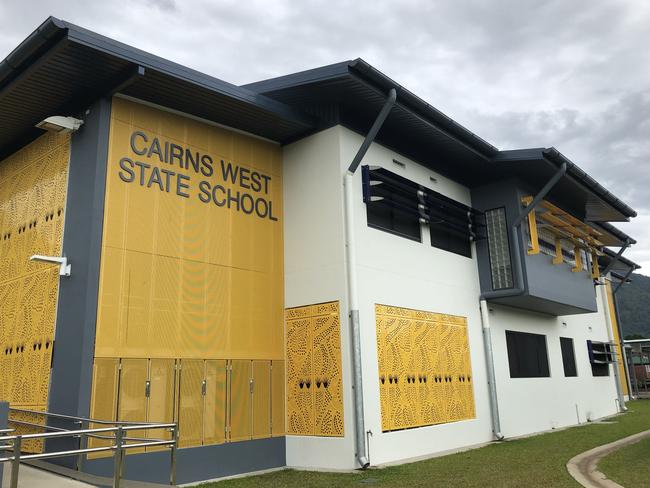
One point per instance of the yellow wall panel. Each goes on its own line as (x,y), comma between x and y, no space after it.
(132,400)
(261,399)
(184,275)
(617,339)
(103,399)
(240,400)
(300,401)
(190,407)
(33,186)
(214,418)
(327,377)
(162,379)
(424,368)
(277,398)
(314,375)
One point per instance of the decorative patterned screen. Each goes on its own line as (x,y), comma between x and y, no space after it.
(425,374)
(314,377)
(33,186)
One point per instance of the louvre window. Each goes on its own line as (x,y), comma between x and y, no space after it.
(393,214)
(568,356)
(401,206)
(449,239)
(527,355)
(601,355)
(499,249)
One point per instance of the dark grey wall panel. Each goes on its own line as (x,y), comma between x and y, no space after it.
(4,417)
(550,289)
(74,340)
(199,463)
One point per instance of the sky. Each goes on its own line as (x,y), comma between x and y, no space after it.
(519,73)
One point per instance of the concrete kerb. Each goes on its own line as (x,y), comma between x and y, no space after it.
(584,466)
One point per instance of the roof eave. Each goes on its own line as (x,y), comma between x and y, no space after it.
(557,158)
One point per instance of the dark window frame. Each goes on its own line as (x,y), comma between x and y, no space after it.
(399,206)
(601,355)
(527,355)
(567,349)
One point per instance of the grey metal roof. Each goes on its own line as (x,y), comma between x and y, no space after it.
(576,192)
(60,69)
(352,92)
(612,236)
(623,264)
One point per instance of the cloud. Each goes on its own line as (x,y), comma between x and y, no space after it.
(532,73)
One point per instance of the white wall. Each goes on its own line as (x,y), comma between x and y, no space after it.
(314,256)
(530,405)
(397,271)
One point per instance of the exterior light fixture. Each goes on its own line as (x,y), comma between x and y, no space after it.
(60,124)
(64,266)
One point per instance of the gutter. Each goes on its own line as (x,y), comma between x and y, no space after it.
(353,295)
(30,48)
(416,105)
(557,158)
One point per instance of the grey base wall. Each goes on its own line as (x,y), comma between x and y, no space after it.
(74,342)
(198,463)
(4,417)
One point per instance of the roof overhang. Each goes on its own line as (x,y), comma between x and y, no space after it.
(352,93)
(622,266)
(61,69)
(576,192)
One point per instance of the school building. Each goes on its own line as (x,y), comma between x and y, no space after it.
(319,270)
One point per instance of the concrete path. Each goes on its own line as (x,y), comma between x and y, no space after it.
(29,477)
(584,467)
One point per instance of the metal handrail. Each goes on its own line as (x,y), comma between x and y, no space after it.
(121,443)
(80,419)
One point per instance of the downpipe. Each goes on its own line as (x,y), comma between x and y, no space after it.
(360,429)
(353,296)
(608,322)
(489,360)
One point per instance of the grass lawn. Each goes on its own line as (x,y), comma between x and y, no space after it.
(628,466)
(534,461)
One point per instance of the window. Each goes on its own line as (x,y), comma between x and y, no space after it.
(449,239)
(392,215)
(527,355)
(499,249)
(568,356)
(401,206)
(601,354)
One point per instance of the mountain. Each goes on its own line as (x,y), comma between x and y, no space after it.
(634,307)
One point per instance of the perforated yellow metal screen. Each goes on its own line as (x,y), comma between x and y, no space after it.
(132,405)
(425,374)
(240,400)
(314,377)
(190,410)
(160,408)
(33,186)
(277,398)
(214,419)
(103,399)
(185,271)
(261,399)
